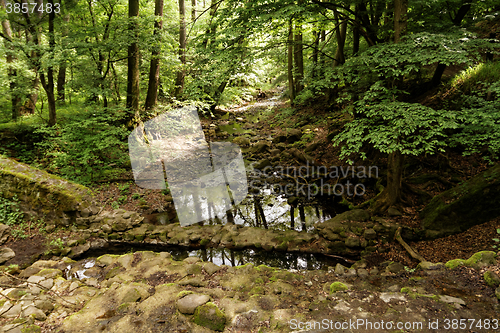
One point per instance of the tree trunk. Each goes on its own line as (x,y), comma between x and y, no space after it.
(193,10)
(12,73)
(49,86)
(438,73)
(154,68)
(299,60)
(400,19)
(314,73)
(355,33)
(133,63)
(291,86)
(341,35)
(61,75)
(179,81)
(391,195)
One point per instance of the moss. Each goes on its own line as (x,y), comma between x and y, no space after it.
(259,281)
(491,279)
(31,329)
(282,247)
(257,290)
(416,278)
(123,307)
(452,264)
(113,272)
(406,290)
(209,316)
(184,293)
(337,286)
(481,258)
(204,242)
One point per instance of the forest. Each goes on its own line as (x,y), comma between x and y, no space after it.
(354,144)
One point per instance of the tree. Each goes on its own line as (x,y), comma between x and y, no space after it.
(154,68)
(179,81)
(133,62)
(12,73)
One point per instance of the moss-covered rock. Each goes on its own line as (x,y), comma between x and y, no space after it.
(492,279)
(210,316)
(337,286)
(471,203)
(454,263)
(482,259)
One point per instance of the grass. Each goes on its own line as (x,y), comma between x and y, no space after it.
(481,74)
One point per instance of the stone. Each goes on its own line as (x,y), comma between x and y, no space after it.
(189,303)
(482,259)
(32,311)
(392,211)
(340,269)
(211,268)
(10,311)
(429,266)
(312,147)
(492,279)
(395,267)
(279,138)
(451,299)
(461,207)
(45,305)
(293,135)
(6,254)
(260,147)
(262,164)
(352,241)
(370,234)
(337,286)
(210,316)
(4,233)
(241,141)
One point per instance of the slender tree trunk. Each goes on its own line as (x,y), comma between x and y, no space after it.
(400,19)
(438,73)
(179,81)
(316,35)
(299,59)
(341,36)
(133,63)
(49,86)
(355,33)
(193,10)
(61,75)
(291,85)
(12,73)
(154,68)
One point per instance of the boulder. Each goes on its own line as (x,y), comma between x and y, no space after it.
(189,303)
(6,254)
(457,209)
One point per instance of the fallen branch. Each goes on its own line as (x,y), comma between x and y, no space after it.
(414,254)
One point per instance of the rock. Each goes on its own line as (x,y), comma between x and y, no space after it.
(370,234)
(454,263)
(34,312)
(4,233)
(189,303)
(279,138)
(195,282)
(352,241)
(395,268)
(392,211)
(450,299)
(497,293)
(340,269)
(459,208)
(293,135)
(211,268)
(312,147)
(337,286)
(492,279)
(241,141)
(10,311)
(482,259)
(388,296)
(262,164)
(210,316)
(260,147)
(45,305)
(6,254)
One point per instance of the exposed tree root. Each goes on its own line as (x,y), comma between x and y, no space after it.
(413,253)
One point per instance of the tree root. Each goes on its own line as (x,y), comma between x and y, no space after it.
(413,253)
